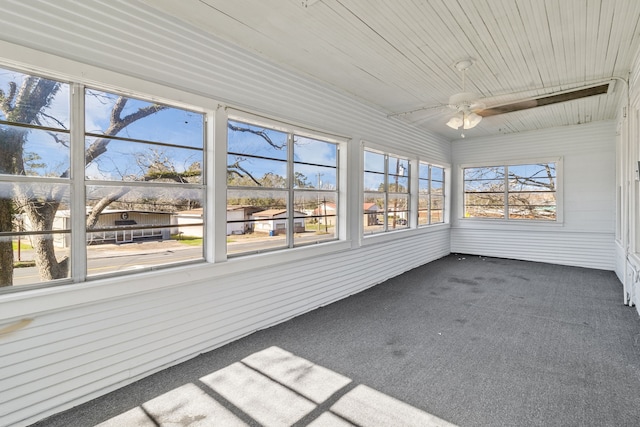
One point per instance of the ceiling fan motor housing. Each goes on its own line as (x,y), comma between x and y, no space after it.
(463,101)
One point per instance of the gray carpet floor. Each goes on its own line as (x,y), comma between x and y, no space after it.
(471,340)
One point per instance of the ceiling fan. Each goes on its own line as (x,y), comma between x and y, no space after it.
(469,109)
(465,104)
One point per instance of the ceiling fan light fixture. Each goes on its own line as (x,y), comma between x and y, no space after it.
(456,121)
(471,120)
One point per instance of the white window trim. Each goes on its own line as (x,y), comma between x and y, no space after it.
(446,191)
(34,300)
(25,303)
(511,223)
(63,294)
(411,193)
(282,125)
(341,142)
(413,229)
(77,183)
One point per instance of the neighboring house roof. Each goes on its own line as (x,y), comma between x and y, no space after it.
(241,207)
(371,207)
(271,213)
(248,209)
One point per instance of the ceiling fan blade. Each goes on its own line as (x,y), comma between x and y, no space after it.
(477,106)
(544,100)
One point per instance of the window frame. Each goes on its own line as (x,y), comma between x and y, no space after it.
(410,193)
(104,183)
(558,221)
(31,181)
(292,130)
(49,296)
(429,196)
(77,182)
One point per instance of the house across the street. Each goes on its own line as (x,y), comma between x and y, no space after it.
(115,226)
(274,221)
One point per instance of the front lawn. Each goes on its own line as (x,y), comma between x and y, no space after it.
(23,245)
(188,240)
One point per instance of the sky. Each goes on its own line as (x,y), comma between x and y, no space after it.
(171,126)
(315,159)
(374,165)
(123,159)
(39,142)
(183,130)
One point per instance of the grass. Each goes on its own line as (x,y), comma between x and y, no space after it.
(188,240)
(24,264)
(22,245)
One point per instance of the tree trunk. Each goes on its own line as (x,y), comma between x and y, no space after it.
(26,105)
(41,214)
(6,244)
(11,141)
(45,257)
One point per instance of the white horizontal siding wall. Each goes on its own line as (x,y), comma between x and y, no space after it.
(586,235)
(80,341)
(66,357)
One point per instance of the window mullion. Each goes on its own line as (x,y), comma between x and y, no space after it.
(78,203)
(215,179)
(430,198)
(386,193)
(506,192)
(290,185)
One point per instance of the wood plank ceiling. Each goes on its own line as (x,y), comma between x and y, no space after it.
(400,55)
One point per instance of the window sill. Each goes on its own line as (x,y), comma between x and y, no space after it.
(388,236)
(29,304)
(482,223)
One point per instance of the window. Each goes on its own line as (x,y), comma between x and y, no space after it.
(515,192)
(144,182)
(430,194)
(139,179)
(282,188)
(386,192)
(35,185)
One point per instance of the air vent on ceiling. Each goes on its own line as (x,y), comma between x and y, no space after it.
(564,96)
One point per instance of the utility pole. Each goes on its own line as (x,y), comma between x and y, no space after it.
(319,174)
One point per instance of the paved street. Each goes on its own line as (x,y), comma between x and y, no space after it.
(110,258)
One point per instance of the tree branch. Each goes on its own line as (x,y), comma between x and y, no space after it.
(96,210)
(58,140)
(236,166)
(260,133)
(51,118)
(99,146)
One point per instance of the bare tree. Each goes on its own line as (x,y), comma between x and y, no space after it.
(22,105)
(26,106)
(529,190)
